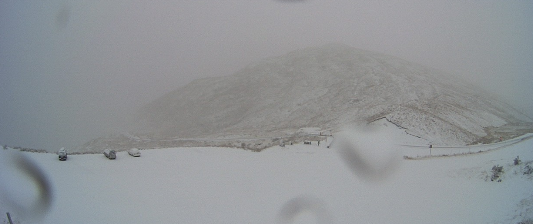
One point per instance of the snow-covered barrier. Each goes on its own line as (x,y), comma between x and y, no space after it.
(420,152)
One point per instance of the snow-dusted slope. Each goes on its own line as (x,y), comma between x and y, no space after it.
(328,87)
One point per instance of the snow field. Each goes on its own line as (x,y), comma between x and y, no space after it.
(294,184)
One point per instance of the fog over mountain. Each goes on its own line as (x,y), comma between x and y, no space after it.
(329,87)
(71,71)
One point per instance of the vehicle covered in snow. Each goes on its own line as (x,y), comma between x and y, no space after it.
(110,154)
(62,153)
(134,152)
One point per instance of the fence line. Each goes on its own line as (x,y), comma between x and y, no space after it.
(419,152)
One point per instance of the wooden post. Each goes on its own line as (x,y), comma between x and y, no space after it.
(9,218)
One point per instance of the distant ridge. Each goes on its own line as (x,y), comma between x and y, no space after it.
(330,87)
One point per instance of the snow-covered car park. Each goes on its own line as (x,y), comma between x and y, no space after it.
(292,184)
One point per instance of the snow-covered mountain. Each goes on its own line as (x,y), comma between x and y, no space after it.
(328,87)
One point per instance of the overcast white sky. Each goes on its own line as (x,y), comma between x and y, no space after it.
(73,70)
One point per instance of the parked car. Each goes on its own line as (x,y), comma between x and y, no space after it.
(110,154)
(62,154)
(134,152)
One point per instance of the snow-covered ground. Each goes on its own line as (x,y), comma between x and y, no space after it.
(295,184)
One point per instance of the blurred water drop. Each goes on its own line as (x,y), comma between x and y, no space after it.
(62,17)
(298,206)
(368,152)
(19,168)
